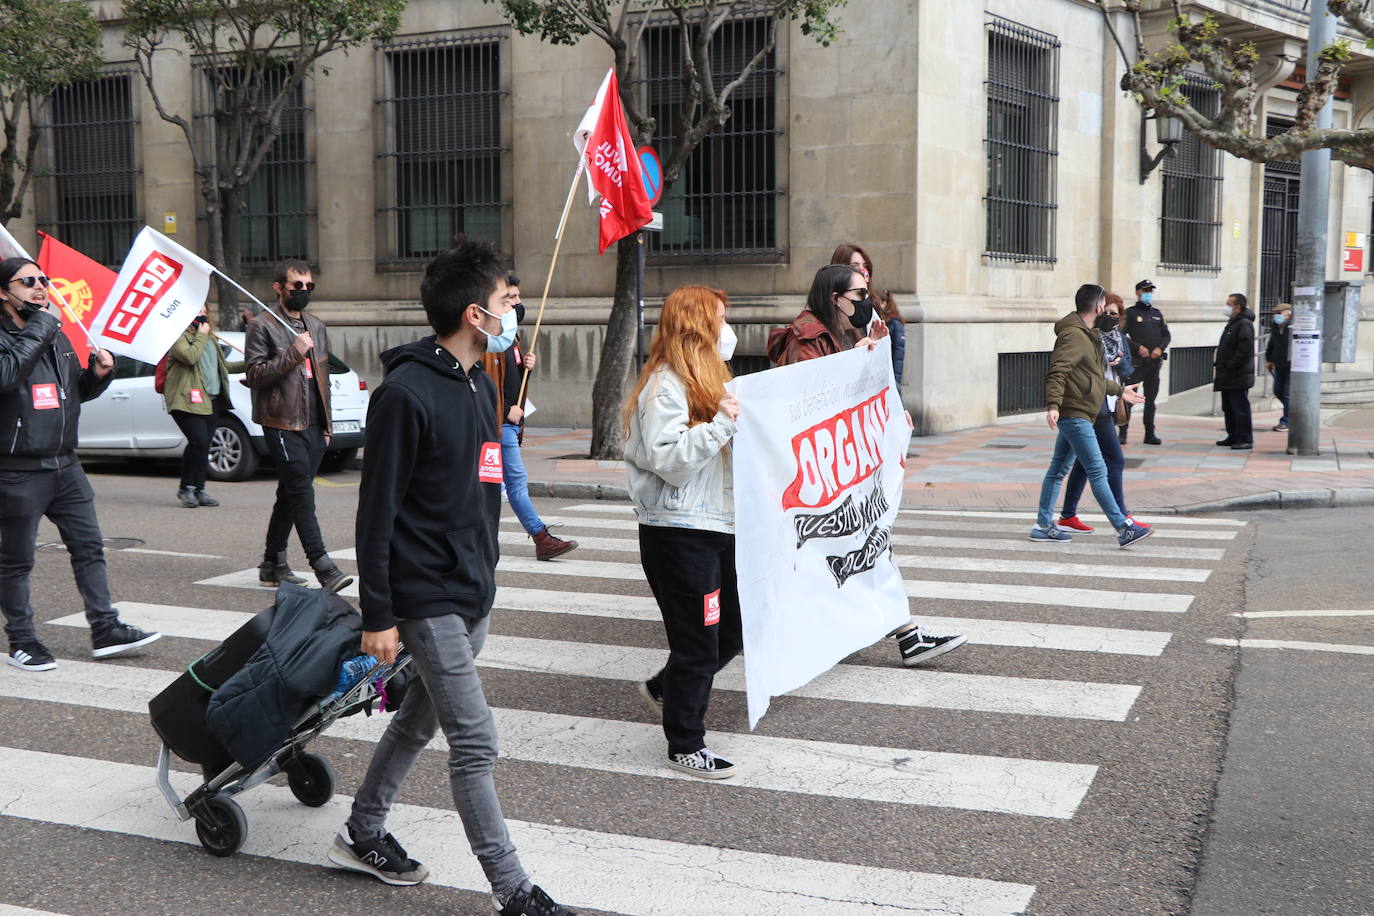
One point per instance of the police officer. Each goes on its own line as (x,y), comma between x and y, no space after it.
(41,389)
(1148,334)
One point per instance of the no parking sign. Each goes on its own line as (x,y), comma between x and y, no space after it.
(652,170)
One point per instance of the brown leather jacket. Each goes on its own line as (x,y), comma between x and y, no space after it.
(276,372)
(805,338)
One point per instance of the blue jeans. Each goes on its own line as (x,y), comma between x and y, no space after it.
(447,695)
(517,481)
(1282,377)
(1110,446)
(1077,441)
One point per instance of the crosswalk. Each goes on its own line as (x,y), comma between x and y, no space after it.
(1090,625)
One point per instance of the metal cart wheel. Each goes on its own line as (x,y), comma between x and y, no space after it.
(220,825)
(310,778)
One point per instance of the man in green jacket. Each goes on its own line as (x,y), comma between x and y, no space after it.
(1075,389)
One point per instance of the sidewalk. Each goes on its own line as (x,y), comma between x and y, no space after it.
(1001,466)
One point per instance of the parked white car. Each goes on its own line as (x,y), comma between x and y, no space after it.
(130,421)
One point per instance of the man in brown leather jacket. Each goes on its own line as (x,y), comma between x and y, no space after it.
(288,371)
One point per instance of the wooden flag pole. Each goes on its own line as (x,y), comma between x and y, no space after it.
(62,303)
(548,281)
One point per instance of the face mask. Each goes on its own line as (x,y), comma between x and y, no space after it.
(500,343)
(726,343)
(863,313)
(1279,319)
(1228,310)
(519,313)
(298,299)
(27,311)
(1105,322)
(1147,298)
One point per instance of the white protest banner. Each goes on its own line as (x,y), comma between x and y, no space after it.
(818,464)
(159,290)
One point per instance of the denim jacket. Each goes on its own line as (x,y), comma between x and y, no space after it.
(679,475)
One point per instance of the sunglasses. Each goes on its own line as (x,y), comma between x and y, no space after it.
(300,284)
(31,282)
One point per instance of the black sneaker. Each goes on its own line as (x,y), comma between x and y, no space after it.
(382,858)
(120,638)
(31,656)
(332,579)
(532,902)
(652,701)
(1152,439)
(703,764)
(918,646)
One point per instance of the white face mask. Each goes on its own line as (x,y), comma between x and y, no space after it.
(1228,310)
(727,341)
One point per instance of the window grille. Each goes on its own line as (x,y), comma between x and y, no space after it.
(1190,220)
(278,215)
(89,195)
(1021,382)
(440,145)
(1190,367)
(725,201)
(1022,142)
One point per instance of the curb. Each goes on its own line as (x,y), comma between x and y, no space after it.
(569,490)
(1281,499)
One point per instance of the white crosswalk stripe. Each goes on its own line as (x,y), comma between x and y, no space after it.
(1089,580)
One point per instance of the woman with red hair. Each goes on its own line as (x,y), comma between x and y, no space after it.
(679,421)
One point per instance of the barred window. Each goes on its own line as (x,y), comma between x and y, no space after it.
(439,145)
(89,197)
(724,203)
(278,215)
(1022,142)
(1190,219)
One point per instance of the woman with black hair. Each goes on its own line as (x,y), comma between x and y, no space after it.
(837,308)
(41,389)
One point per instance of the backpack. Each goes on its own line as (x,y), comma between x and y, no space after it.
(160,375)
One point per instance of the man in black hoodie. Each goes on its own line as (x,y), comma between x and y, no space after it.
(1235,373)
(427,521)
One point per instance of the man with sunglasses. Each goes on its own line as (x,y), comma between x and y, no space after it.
(42,386)
(288,371)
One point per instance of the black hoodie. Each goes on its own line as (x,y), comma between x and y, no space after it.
(427,513)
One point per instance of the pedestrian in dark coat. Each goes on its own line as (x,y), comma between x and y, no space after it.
(1276,358)
(1235,372)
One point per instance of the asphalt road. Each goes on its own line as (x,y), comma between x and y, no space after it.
(1063,762)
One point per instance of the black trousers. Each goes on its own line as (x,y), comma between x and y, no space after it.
(1147,373)
(66,498)
(297,457)
(1235,407)
(197,428)
(692,574)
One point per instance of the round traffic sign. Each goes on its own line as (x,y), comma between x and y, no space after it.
(652,170)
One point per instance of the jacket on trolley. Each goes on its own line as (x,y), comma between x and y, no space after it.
(42,385)
(257,708)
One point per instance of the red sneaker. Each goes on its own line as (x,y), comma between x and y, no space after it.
(1075,523)
(1134,521)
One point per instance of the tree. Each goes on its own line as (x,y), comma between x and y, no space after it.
(255,54)
(705,108)
(1156,77)
(44,44)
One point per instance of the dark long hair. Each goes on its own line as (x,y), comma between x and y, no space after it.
(830,280)
(886,305)
(11,266)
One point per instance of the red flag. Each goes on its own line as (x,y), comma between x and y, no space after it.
(81,282)
(603,140)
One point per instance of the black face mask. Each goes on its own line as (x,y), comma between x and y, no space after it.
(298,299)
(519,313)
(27,311)
(863,313)
(1105,322)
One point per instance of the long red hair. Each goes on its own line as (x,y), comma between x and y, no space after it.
(687,341)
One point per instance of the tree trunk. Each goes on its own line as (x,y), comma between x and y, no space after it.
(617,356)
(231,208)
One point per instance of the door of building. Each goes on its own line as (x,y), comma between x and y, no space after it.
(1279,235)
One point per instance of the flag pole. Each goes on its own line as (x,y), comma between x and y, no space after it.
(235,285)
(62,303)
(557,243)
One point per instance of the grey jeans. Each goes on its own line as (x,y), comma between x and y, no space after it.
(448,695)
(66,498)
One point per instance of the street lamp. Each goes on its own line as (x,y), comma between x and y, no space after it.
(1169,133)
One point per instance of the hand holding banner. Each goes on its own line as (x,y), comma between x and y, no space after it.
(10,248)
(819,457)
(159,290)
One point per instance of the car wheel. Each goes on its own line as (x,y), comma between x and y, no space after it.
(232,456)
(338,460)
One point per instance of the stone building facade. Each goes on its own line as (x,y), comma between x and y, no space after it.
(981,152)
